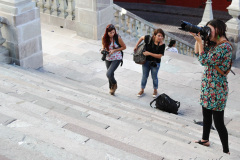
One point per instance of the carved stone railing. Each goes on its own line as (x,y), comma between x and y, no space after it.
(4,52)
(131,26)
(60,8)
(57,12)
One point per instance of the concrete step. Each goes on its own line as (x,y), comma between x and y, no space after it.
(121,134)
(16,145)
(48,125)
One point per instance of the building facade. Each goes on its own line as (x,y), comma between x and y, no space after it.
(216,4)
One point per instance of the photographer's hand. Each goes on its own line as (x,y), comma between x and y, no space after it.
(199,47)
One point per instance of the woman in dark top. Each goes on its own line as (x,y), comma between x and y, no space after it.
(154,51)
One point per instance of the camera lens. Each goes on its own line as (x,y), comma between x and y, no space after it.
(204,31)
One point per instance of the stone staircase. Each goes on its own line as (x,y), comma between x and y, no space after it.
(63,111)
(50,117)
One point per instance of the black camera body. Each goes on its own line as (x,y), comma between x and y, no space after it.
(153,64)
(204,31)
(104,54)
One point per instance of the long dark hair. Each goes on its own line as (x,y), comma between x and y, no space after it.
(106,38)
(220,28)
(171,43)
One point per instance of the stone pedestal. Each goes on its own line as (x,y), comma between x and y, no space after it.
(208,14)
(23,33)
(233,27)
(92,17)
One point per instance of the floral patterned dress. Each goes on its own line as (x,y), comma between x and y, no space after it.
(214,87)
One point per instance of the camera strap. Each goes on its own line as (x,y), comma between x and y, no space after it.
(218,69)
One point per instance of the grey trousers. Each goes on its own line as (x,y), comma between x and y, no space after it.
(111,67)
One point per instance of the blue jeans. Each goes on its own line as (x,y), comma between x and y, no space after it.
(146,68)
(111,67)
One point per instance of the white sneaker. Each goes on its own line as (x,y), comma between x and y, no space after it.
(140,93)
(154,94)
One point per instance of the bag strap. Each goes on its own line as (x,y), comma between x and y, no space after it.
(116,40)
(217,68)
(152,102)
(224,73)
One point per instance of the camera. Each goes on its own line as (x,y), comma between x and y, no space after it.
(204,31)
(153,64)
(104,54)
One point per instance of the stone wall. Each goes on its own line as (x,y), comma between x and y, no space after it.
(23,33)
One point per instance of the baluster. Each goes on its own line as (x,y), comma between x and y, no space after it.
(41,5)
(47,6)
(127,21)
(120,22)
(135,33)
(144,29)
(123,26)
(192,52)
(181,48)
(116,20)
(36,1)
(184,49)
(168,40)
(130,26)
(139,24)
(73,9)
(62,8)
(55,5)
(151,31)
(69,10)
(178,47)
(147,30)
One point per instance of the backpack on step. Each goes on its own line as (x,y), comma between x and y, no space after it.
(167,104)
(138,56)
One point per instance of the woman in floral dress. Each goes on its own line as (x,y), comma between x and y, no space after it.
(216,51)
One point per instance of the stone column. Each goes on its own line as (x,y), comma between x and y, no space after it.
(233,26)
(4,53)
(92,17)
(208,14)
(23,33)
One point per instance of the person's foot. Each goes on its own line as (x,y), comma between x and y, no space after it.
(140,93)
(203,142)
(155,93)
(113,89)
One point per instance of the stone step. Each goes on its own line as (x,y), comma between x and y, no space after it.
(16,145)
(121,133)
(28,96)
(44,128)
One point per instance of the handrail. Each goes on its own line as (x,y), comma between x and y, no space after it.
(128,24)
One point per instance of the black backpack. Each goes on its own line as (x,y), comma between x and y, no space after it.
(167,104)
(116,40)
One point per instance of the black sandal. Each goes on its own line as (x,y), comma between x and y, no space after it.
(202,143)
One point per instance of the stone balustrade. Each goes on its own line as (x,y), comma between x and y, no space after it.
(130,25)
(59,8)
